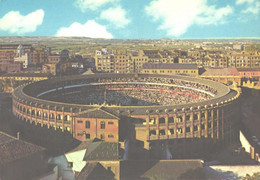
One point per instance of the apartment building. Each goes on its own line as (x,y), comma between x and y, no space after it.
(104,60)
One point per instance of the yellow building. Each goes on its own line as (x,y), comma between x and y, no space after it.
(104,61)
(123,63)
(138,60)
(49,69)
(181,69)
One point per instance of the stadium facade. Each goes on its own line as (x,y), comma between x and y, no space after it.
(203,112)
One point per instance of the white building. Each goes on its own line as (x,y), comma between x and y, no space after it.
(22,57)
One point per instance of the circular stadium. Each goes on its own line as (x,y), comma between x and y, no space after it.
(114,107)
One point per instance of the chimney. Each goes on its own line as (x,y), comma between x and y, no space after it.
(18,135)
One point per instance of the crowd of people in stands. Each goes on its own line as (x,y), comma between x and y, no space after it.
(118,92)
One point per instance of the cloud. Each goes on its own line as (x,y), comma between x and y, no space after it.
(253,9)
(253,6)
(89,29)
(15,23)
(244,1)
(116,16)
(177,16)
(92,4)
(213,16)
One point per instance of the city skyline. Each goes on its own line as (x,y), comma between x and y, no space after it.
(121,19)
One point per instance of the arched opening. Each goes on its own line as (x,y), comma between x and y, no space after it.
(152,132)
(51,116)
(39,113)
(195,117)
(202,116)
(162,132)
(195,128)
(33,112)
(67,118)
(151,121)
(162,120)
(179,119)
(58,117)
(170,120)
(179,130)
(28,111)
(171,131)
(24,110)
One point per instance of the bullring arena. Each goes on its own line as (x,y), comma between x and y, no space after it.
(152,111)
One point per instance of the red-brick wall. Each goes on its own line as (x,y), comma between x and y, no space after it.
(109,133)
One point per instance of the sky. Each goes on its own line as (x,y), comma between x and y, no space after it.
(131,19)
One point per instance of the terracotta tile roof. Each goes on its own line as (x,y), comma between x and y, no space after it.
(98,113)
(169,66)
(221,72)
(12,149)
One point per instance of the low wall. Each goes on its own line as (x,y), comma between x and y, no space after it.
(249,148)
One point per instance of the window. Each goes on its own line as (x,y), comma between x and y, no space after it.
(195,128)
(70,164)
(170,120)
(110,136)
(102,136)
(79,134)
(80,121)
(179,130)
(110,122)
(87,136)
(102,125)
(87,124)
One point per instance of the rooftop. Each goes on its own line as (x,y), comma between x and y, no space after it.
(13,149)
(102,151)
(98,113)
(220,72)
(176,169)
(94,171)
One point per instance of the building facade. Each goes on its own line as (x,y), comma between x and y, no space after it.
(173,69)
